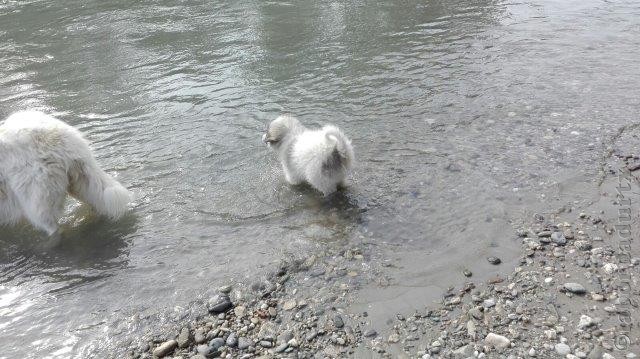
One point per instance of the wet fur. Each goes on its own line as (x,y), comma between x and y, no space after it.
(321,157)
(41,160)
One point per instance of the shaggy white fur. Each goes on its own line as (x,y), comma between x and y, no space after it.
(41,160)
(322,157)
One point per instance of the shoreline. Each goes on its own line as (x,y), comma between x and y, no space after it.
(566,298)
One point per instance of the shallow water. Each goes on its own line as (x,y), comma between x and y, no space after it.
(465,115)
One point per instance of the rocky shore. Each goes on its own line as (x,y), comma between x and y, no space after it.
(574,294)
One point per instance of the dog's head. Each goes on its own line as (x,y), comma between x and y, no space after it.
(278,129)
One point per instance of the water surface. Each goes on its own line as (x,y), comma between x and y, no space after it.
(465,116)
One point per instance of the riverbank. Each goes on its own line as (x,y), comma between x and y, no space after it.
(573,294)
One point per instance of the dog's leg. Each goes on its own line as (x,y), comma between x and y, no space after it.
(41,200)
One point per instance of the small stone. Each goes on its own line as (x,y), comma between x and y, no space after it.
(562,349)
(393,338)
(575,288)
(585,322)
(338,322)
(280,348)
(216,343)
(558,238)
(199,336)
(244,343)
(266,344)
(165,348)
(311,335)
(583,245)
(225,289)
(467,273)
(494,260)
(293,343)
(532,352)
(232,340)
(183,338)
(370,333)
(489,303)
(610,268)
(239,310)
(497,341)
(219,304)
(289,304)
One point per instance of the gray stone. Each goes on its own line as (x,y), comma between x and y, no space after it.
(199,336)
(558,238)
(338,322)
(494,260)
(232,340)
(497,341)
(244,343)
(216,343)
(183,338)
(370,333)
(165,348)
(575,288)
(562,349)
(219,304)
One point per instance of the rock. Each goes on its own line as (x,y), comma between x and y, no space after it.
(489,303)
(558,238)
(562,349)
(183,338)
(267,331)
(585,322)
(244,343)
(610,268)
(199,336)
(216,343)
(311,335)
(165,348)
(289,304)
(497,341)
(225,289)
(583,245)
(494,260)
(206,351)
(370,333)
(285,336)
(532,352)
(575,288)
(239,310)
(476,313)
(338,322)
(393,338)
(608,356)
(467,273)
(266,344)
(280,348)
(232,340)
(219,304)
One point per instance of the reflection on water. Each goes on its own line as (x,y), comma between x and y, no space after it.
(462,113)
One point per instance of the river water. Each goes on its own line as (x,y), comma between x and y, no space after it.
(465,115)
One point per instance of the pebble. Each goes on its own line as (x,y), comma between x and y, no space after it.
(562,349)
(165,348)
(497,341)
(289,304)
(489,303)
(232,340)
(244,343)
(467,273)
(370,333)
(585,322)
(338,322)
(393,338)
(199,336)
(575,288)
(558,238)
(532,352)
(494,260)
(219,304)
(183,338)
(216,343)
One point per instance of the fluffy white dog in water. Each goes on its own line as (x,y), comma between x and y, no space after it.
(322,157)
(41,160)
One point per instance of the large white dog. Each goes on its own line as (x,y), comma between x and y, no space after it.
(41,160)
(322,157)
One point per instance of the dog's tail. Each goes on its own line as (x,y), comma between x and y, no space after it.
(342,151)
(90,184)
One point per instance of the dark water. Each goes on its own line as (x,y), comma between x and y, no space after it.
(464,115)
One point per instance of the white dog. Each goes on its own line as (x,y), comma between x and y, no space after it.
(41,160)
(322,157)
